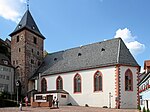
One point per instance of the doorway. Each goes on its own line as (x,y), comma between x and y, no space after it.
(49,99)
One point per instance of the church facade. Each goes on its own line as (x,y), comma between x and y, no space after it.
(99,74)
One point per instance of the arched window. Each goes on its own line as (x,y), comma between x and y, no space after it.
(77,83)
(98,81)
(59,83)
(128,80)
(43,85)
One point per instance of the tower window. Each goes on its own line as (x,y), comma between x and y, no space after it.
(19,49)
(39,63)
(16,61)
(35,40)
(18,38)
(13,62)
(32,61)
(32,50)
(38,53)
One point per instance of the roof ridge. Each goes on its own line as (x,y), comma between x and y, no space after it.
(118,55)
(26,16)
(83,46)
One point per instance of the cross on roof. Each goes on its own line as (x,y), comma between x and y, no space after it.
(27,4)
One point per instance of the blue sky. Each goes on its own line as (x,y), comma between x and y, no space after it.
(71,23)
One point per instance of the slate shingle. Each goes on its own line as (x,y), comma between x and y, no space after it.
(106,53)
(27,22)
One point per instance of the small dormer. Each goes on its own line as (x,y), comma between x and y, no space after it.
(147,65)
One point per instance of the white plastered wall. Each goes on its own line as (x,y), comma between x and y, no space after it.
(87,96)
(128,98)
(62,101)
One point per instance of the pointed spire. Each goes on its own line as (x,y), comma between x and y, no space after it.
(27,22)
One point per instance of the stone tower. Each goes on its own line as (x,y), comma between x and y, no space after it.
(26,50)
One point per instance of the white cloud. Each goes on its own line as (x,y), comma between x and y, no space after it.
(134,46)
(12,9)
(23,1)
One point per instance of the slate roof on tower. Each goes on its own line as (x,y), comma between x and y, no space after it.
(101,54)
(27,22)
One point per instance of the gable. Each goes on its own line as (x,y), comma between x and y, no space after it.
(125,56)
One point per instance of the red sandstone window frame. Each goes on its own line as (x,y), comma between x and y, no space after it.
(43,85)
(57,83)
(100,88)
(128,80)
(77,90)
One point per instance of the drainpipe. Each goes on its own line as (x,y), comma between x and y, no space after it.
(39,83)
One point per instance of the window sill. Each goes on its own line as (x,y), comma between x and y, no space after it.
(98,91)
(77,92)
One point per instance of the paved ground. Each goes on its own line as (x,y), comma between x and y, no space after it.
(66,109)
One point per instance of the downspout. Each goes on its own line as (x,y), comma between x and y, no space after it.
(39,83)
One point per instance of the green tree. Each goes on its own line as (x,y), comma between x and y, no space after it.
(144,110)
(139,107)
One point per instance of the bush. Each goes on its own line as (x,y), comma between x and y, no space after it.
(69,104)
(105,107)
(7,103)
(148,110)
(139,108)
(86,105)
(144,110)
(4,95)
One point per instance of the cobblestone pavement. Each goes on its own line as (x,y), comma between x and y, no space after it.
(66,109)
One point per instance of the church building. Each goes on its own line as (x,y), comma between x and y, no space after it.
(102,74)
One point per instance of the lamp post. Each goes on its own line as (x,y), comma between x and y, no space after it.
(17,85)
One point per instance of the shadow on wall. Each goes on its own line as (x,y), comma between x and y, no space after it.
(72,101)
